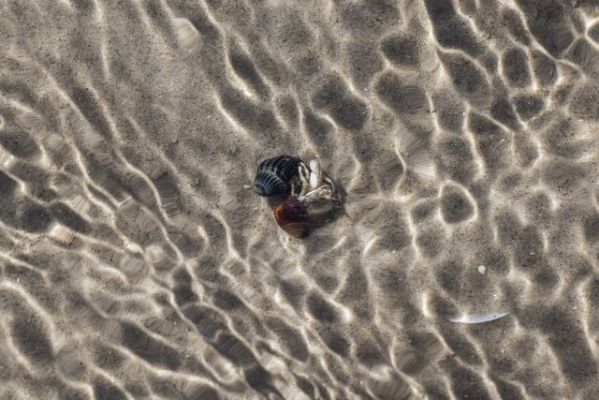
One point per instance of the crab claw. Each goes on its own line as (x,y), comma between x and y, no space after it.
(322,203)
(315,174)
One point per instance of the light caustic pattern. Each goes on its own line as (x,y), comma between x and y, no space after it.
(136,262)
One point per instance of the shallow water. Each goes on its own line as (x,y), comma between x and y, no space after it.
(136,262)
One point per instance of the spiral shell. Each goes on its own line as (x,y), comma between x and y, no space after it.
(274,175)
(292,216)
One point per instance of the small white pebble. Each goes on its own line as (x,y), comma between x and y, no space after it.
(482,269)
(246,186)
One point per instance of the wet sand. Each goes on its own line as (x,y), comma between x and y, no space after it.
(136,262)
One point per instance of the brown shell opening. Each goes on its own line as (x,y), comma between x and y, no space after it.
(292,217)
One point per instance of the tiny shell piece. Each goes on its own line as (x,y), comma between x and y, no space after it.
(478,318)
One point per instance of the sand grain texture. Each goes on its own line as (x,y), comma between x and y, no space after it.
(137,263)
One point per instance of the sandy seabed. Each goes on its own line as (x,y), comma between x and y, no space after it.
(136,261)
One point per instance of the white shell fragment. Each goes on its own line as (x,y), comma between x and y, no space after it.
(478,318)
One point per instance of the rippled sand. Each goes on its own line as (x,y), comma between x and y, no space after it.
(137,262)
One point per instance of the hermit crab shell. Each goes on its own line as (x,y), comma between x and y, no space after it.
(301,196)
(275,175)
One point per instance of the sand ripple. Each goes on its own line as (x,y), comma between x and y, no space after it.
(137,263)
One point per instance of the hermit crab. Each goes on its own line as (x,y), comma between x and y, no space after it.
(301,196)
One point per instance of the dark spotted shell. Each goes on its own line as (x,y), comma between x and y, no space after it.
(274,175)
